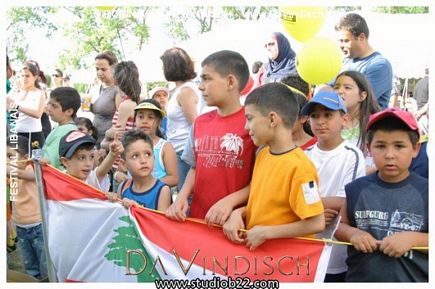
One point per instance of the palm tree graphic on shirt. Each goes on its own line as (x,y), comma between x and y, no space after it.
(232,143)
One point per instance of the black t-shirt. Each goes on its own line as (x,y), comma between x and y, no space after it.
(382,209)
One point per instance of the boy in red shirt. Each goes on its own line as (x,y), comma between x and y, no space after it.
(220,151)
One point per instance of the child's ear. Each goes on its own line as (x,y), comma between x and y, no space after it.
(274,118)
(363,96)
(416,149)
(70,111)
(232,81)
(64,161)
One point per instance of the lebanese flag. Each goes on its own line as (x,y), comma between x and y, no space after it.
(91,239)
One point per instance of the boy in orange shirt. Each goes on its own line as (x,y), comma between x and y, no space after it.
(285,202)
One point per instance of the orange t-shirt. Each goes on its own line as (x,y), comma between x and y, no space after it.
(284,189)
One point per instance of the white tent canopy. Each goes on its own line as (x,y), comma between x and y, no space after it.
(402,38)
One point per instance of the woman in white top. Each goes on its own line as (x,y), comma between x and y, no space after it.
(184,105)
(26,104)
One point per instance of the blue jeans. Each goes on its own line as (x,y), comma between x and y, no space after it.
(183,169)
(31,244)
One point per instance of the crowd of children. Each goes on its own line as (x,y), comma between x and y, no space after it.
(332,155)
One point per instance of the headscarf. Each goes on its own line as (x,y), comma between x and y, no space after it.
(284,64)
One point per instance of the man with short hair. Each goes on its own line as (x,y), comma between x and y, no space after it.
(353,37)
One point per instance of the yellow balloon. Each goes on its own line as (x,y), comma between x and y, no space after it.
(319,60)
(302,22)
(105,8)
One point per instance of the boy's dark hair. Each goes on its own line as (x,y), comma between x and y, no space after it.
(158,115)
(392,124)
(275,97)
(109,56)
(88,124)
(354,23)
(177,65)
(296,82)
(126,76)
(22,147)
(227,62)
(302,101)
(134,135)
(68,97)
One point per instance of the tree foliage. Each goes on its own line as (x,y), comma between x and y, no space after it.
(249,12)
(100,30)
(91,30)
(22,19)
(402,9)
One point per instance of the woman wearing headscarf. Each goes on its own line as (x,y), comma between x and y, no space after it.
(282,59)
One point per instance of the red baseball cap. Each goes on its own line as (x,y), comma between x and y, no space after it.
(402,115)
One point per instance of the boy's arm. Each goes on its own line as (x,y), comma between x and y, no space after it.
(234,223)
(221,210)
(178,210)
(116,149)
(399,243)
(361,240)
(332,207)
(22,174)
(259,234)
(164,199)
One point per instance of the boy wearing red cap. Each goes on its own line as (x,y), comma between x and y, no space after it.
(386,214)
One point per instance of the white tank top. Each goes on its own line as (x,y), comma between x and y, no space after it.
(26,123)
(178,127)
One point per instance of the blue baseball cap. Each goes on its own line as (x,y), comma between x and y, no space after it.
(328,99)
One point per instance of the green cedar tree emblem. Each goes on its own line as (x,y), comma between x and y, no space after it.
(127,238)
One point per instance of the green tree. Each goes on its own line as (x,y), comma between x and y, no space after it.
(23,19)
(96,30)
(191,21)
(128,239)
(402,9)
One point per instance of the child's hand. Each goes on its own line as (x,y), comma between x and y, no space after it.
(43,161)
(233,225)
(396,245)
(128,203)
(330,216)
(119,177)
(178,210)
(219,212)
(364,242)
(255,237)
(112,196)
(116,147)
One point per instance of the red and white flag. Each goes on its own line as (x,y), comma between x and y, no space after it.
(91,239)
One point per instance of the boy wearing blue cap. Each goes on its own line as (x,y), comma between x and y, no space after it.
(338,162)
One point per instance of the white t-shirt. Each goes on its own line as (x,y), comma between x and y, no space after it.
(92,180)
(178,128)
(337,168)
(26,123)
